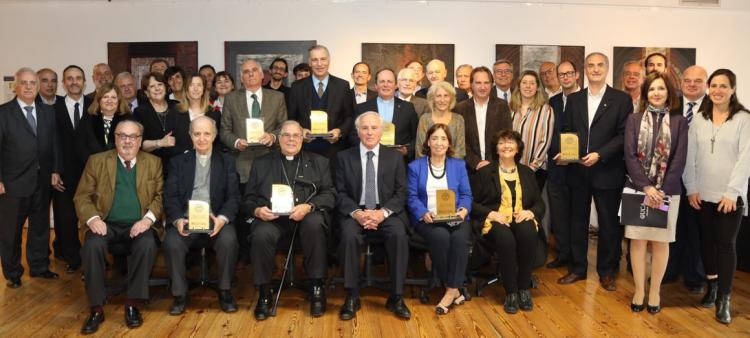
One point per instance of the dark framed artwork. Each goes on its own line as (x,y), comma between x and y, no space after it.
(236,52)
(677,58)
(135,57)
(530,57)
(397,55)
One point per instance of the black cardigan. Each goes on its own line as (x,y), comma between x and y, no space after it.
(485,185)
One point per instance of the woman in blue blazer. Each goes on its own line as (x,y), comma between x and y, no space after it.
(448,243)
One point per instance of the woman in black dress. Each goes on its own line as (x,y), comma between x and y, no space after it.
(157,117)
(194,105)
(98,126)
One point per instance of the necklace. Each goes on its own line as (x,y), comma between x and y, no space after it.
(429,160)
(715,131)
(508,171)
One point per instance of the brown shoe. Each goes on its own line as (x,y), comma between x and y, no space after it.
(608,283)
(570,278)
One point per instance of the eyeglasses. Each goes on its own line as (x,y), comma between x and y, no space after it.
(127,137)
(291,136)
(503,71)
(566,74)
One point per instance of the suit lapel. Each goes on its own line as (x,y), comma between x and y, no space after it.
(382,167)
(244,112)
(357,172)
(140,179)
(216,170)
(22,120)
(110,168)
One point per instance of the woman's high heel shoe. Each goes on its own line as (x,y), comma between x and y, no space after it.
(653,309)
(442,310)
(636,307)
(459,300)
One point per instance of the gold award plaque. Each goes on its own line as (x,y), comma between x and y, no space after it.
(446,206)
(318,123)
(282,199)
(254,128)
(569,147)
(199,220)
(389,134)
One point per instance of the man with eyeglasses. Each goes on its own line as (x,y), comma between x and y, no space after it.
(503,88)
(632,78)
(407,86)
(548,73)
(309,177)
(119,198)
(279,70)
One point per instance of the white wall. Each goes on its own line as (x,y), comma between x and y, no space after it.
(57,33)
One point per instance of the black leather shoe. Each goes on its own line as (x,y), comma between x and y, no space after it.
(227,302)
(524,300)
(317,301)
(396,305)
(91,324)
(350,308)
(14,283)
(709,299)
(557,263)
(45,274)
(724,309)
(570,278)
(133,317)
(263,308)
(72,268)
(653,309)
(511,303)
(178,305)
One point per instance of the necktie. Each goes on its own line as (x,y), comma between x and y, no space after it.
(321,90)
(127,165)
(505,96)
(689,114)
(130,105)
(256,107)
(76,115)
(370,201)
(30,118)
(107,126)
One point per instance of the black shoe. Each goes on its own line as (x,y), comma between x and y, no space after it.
(45,274)
(72,268)
(511,303)
(317,301)
(133,317)
(350,308)
(263,308)
(653,309)
(91,324)
(696,290)
(178,305)
(636,307)
(524,300)
(724,309)
(14,283)
(396,305)
(557,263)
(709,300)
(227,302)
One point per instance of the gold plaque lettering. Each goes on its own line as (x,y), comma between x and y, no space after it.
(255,131)
(318,124)
(569,147)
(446,206)
(199,220)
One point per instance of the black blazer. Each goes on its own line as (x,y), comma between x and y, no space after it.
(90,138)
(26,157)
(371,94)
(556,172)
(606,136)
(461,94)
(224,187)
(392,190)
(487,191)
(72,168)
(154,130)
(339,109)
(180,127)
(695,109)
(497,119)
(38,99)
(404,117)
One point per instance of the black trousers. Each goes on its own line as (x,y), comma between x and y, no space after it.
(719,240)
(141,257)
(541,178)
(66,243)
(13,214)
(516,250)
(559,209)
(449,250)
(242,230)
(685,251)
(176,248)
(609,246)
(392,232)
(264,238)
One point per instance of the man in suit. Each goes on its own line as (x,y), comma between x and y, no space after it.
(393,110)
(558,193)
(279,71)
(308,174)
(120,199)
(685,252)
(29,163)
(548,73)
(361,75)
(250,101)
(407,84)
(101,74)
(68,114)
(47,87)
(322,91)
(436,71)
(597,114)
(484,115)
(632,79)
(371,187)
(203,174)
(463,78)
(126,83)
(503,87)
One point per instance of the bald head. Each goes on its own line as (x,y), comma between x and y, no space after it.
(694,82)
(101,74)
(436,71)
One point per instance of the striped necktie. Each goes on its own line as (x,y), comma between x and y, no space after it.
(689,114)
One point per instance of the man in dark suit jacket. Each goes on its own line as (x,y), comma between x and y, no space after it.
(309,176)
(496,118)
(597,114)
(209,175)
(47,87)
(436,71)
(68,114)
(361,75)
(503,87)
(322,91)
(401,114)
(371,187)
(29,161)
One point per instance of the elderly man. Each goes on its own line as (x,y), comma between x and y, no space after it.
(120,199)
(503,88)
(371,188)
(418,68)
(101,74)
(126,83)
(47,87)
(463,75)
(632,78)
(436,72)
(548,73)
(361,76)
(201,174)
(309,176)
(407,85)
(29,162)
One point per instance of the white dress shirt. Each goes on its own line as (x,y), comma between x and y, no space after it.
(363,159)
(481,116)
(71,105)
(594,99)
(697,105)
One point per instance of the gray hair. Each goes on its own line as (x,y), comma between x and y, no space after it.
(606,58)
(214,130)
(123,75)
(505,61)
(137,124)
(365,114)
(319,47)
(290,123)
(437,63)
(25,70)
(406,73)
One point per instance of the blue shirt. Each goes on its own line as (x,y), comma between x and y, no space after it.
(385,109)
(316,81)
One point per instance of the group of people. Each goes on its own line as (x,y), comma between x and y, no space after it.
(127,162)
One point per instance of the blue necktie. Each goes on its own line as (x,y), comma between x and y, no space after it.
(30,117)
(689,114)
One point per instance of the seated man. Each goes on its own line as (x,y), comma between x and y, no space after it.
(309,177)
(371,186)
(210,176)
(119,196)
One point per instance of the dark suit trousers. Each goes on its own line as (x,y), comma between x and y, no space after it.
(176,248)
(449,250)
(516,250)
(66,241)
(392,232)
(559,209)
(264,240)
(609,246)
(14,211)
(141,257)
(685,251)
(242,230)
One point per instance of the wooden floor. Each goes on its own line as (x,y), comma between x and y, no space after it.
(56,308)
